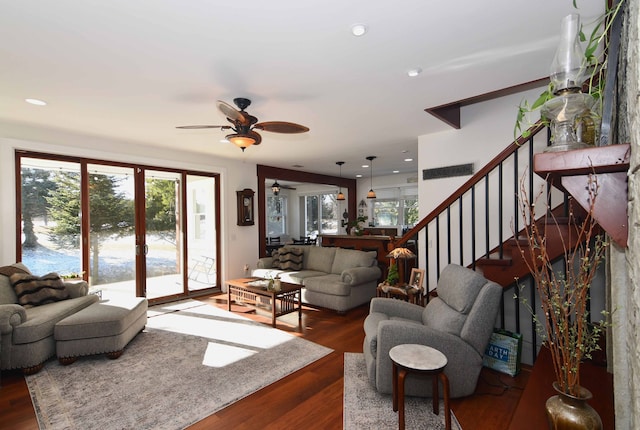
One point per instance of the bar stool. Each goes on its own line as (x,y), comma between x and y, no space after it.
(419,359)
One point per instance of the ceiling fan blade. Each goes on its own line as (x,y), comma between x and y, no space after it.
(281,127)
(231,113)
(196,127)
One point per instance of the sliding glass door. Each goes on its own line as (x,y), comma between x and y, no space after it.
(111,223)
(128,230)
(202,235)
(162,247)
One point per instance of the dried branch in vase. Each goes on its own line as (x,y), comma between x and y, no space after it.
(564,294)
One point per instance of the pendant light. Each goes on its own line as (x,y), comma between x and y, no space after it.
(340,194)
(371,194)
(275,188)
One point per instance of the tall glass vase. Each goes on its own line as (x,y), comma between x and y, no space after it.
(567,412)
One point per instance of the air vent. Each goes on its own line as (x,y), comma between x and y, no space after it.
(448,171)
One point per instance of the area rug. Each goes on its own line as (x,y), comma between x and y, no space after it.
(365,408)
(192,360)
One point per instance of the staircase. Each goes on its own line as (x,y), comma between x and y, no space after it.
(475,226)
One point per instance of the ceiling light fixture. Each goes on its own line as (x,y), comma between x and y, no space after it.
(358,176)
(408,159)
(275,188)
(242,141)
(36,102)
(414,72)
(358,29)
(371,194)
(340,195)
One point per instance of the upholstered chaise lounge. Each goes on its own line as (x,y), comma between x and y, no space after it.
(458,323)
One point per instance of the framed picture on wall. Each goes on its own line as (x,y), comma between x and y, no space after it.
(245,207)
(417,278)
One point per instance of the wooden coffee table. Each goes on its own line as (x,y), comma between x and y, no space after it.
(282,302)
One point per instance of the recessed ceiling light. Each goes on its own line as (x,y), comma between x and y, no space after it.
(358,176)
(408,159)
(396,171)
(224,141)
(358,29)
(414,72)
(365,166)
(36,102)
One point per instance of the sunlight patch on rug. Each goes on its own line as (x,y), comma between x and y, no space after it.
(192,360)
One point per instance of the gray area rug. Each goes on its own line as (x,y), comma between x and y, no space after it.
(365,408)
(192,360)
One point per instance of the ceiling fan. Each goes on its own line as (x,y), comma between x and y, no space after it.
(244,125)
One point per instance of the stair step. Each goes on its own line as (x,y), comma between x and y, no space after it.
(494,260)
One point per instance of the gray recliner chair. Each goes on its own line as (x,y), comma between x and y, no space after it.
(458,322)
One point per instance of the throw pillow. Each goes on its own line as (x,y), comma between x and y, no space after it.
(275,262)
(38,290)
(7,295)
(291,258)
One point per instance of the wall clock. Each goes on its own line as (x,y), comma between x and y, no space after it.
(245,206)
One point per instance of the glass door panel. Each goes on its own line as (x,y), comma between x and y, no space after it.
(201,233)
(50,214)
(112,245)
(163,244)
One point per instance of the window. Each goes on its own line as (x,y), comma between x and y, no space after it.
(276,216)
(132,230)
(320,214)
(394,212)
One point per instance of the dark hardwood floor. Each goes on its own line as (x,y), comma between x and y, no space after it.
(310,398)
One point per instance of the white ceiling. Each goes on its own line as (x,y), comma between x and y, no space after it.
(134,69)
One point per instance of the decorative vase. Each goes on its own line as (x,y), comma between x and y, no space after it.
(567,412)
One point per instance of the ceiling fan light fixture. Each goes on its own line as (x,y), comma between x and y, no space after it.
(240,140)
(275,188)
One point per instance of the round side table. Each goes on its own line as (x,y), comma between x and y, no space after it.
(419,359)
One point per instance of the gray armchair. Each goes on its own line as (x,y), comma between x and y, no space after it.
(458,323)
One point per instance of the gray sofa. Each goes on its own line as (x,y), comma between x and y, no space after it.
(458,323)
(26,333)
(333,278)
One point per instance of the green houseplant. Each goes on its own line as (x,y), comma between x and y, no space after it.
(393,277)
(356,227)
(564,294)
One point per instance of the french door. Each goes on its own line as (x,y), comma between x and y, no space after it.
(128,230)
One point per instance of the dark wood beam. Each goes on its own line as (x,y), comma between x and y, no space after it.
(269,172)
(450,112)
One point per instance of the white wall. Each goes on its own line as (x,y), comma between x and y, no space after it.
(486,129)
(238,244)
